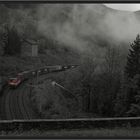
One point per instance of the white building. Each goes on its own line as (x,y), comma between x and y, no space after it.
(29,48)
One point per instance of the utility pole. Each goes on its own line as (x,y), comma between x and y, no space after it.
(31,85)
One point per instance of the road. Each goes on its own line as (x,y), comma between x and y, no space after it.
(16,104)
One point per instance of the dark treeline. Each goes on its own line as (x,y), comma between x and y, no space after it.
(114,91)
(128,98)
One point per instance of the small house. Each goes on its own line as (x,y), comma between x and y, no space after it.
(29,48)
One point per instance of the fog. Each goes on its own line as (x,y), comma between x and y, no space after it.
(85,23)
(88,28)
(80,26)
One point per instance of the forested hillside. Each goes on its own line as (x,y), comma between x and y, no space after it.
(93,36)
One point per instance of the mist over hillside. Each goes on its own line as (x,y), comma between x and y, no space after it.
(80,26)
(83,26)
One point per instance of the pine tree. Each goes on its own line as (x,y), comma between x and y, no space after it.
(132,71)
(12,42)
(133,60)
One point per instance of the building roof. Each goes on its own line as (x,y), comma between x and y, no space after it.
(30,41)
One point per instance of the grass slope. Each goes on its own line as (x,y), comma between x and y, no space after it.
(101,133)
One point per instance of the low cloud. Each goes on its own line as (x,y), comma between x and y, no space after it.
(87,22)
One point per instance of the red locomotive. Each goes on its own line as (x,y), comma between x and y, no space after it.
(14,82)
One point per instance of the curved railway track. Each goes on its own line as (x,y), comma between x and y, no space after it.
(7,106)
(15,104)
(22,107)
(3,103)
(17,111)
(27,104)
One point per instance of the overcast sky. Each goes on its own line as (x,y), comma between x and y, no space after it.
(126,7)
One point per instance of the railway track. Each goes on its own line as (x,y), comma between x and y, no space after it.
(2,109)
(18,111)
(27,104)
(24,103)
(15,104)
(9,113)
(22,107)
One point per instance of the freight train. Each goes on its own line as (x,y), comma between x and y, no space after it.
(25,75)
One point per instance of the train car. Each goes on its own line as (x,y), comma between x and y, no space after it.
(18,79)
(68,67)
(25,75)
(14,82)
(59,68)
(54,68)
(42,71)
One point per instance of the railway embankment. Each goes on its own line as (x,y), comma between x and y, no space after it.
(60,124)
